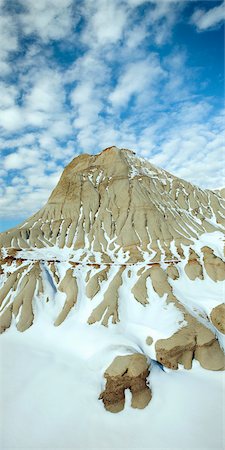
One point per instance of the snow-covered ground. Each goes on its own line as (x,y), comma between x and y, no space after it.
(51,377)
(49,400)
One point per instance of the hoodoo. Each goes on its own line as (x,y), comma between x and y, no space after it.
(125,245)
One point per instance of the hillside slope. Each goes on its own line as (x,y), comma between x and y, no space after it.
(123,244)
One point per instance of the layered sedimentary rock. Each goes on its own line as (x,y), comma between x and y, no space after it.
(126,372)
(113,198)
(122,243)
(192,342)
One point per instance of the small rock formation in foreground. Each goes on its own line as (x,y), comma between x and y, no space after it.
(126,372)
(122,243)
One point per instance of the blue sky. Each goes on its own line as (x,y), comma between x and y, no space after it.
(79,76)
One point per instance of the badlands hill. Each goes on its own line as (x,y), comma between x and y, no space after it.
(121,243)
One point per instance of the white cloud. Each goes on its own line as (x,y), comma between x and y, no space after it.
(42,103)
(205,20)
(9,42)
(86,104)
(14,143)
(24,158)
(136,35)
(11,118)
(61,127)
(8,95)
(110,23)
(137,79)
(49,19)
(91,67)
(105,21)
(19,203)
(92,78)
(47,93)
(30,188)
(162,17)
(194,149)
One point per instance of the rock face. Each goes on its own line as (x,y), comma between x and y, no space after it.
(136,248)
(126,372)
(218,317)
(192,342)
(116,197)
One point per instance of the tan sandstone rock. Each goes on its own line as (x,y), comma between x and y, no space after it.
(218,317)
(126,372)
(194,341)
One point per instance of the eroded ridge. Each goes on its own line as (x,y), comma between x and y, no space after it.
(115,200)
(25,284)
(124,245)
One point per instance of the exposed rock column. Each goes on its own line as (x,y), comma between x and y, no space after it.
(126,372)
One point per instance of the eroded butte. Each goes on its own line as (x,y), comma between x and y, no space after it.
(121,243)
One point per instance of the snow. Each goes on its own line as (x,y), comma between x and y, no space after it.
(213,240)
(200,297)
(157,319)
(203,294)
(46,253)
(50,401)
(51,377)
(137,167)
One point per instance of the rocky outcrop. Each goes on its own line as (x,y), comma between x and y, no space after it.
(17,296)
(109,306)
(192,342)
(193,267)
(218,317)
(126,372)
(69,286)
(214,265)
(94,283)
